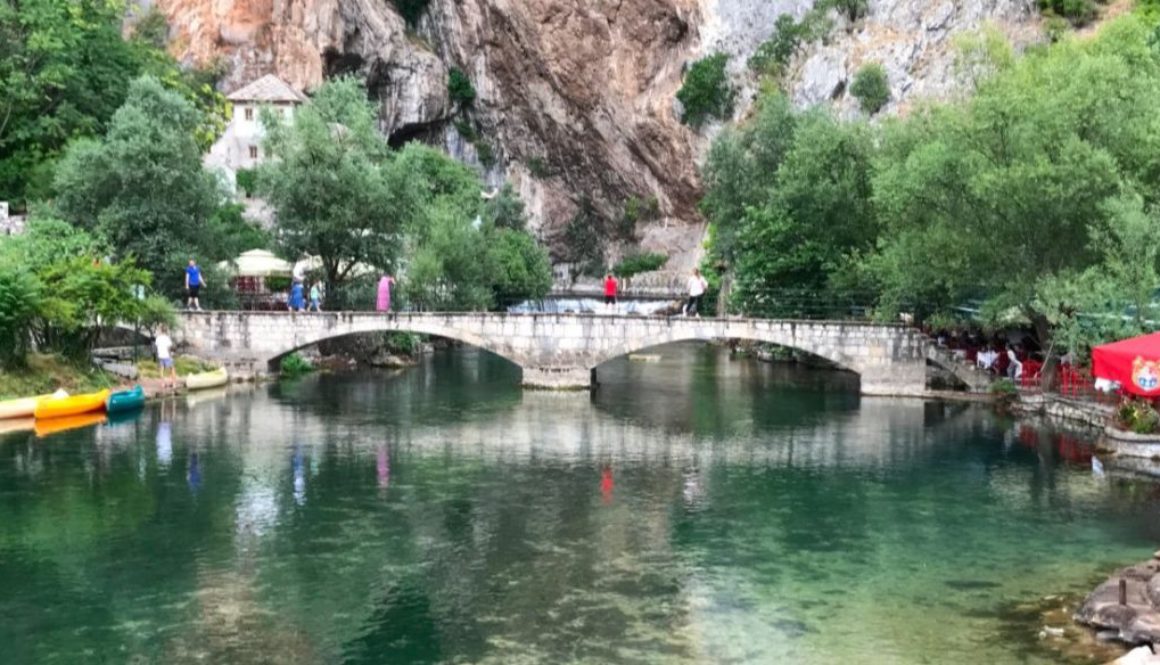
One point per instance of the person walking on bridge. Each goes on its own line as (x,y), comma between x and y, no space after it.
(610,289)
(383,302)
(697,286)
(193,283)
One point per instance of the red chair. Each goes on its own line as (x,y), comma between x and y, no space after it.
(1071,382)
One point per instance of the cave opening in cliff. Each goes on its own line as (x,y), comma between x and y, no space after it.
(336,63)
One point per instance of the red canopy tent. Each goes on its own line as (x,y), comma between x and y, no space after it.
(1134,363)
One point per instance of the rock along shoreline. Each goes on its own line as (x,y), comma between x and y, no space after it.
(1126,606)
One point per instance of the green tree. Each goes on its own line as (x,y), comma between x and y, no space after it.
(71,289)
(506,210)
(449,265)
(335,189)
(871,88)
(143,187)
(519,267)
(816,216)
(64,71)
(706,91)
(998,198)
(20,300)
(583,246)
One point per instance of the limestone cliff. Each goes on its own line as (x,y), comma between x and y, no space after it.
(575,98)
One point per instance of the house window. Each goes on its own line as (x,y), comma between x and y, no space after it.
(249,113)
(253,152)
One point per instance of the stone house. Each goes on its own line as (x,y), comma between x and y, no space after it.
(240,146)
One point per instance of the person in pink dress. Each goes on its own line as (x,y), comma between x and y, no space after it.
(383,304)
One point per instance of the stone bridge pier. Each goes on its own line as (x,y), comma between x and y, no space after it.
(560,351)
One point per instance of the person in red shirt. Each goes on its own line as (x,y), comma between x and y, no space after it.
(610,287)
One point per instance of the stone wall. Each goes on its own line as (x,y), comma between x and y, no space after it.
(560,350)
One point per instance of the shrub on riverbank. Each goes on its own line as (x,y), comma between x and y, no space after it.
(149,369)
(1139,417)
(44,374)
(294,366)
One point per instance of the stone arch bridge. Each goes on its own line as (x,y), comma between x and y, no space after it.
(562,350)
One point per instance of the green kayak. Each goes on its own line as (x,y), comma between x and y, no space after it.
(126,400)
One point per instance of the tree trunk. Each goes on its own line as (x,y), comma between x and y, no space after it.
(1049,375)
(723,293)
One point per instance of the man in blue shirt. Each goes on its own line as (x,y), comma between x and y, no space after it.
(193,283)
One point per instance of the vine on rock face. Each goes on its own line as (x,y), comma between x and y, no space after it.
(459,87)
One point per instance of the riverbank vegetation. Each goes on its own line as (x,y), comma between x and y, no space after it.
(57,291)
(41,374)
(1033,197)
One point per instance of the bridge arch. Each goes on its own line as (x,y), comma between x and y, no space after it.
(838,358)
(388,324)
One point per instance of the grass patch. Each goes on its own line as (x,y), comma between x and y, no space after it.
(45,373)
(149,369)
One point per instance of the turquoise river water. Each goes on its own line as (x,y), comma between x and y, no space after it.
(698,509)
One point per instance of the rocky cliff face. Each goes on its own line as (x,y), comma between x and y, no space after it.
(575,98)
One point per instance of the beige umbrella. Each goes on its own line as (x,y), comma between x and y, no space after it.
(257,263)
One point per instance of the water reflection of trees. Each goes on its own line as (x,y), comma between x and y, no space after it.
(403,520)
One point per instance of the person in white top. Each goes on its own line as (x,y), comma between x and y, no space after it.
(164,346)
(1015,368)
(697,286)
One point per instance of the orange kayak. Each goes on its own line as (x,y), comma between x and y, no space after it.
(57,425)
(75,405)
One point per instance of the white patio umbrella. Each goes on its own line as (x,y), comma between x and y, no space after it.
(257,263)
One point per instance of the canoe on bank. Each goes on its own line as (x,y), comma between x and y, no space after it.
(19,408)
(213,379)
(57,425)
(75,405)
(126,400)
(10,425)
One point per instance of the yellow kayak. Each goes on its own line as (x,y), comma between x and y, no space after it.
(57,425)
(75,405)
(19,408)
(213,379)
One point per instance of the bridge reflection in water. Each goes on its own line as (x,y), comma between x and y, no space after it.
(695,510)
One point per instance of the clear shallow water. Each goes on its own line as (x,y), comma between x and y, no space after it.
(695,510)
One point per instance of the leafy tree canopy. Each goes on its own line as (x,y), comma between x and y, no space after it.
(142,187)
(64,71)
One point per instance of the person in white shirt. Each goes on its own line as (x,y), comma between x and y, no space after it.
(1015,367)
(697,286)
(164,346)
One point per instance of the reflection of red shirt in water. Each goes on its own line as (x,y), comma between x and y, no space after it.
(606,484)
(610,286)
